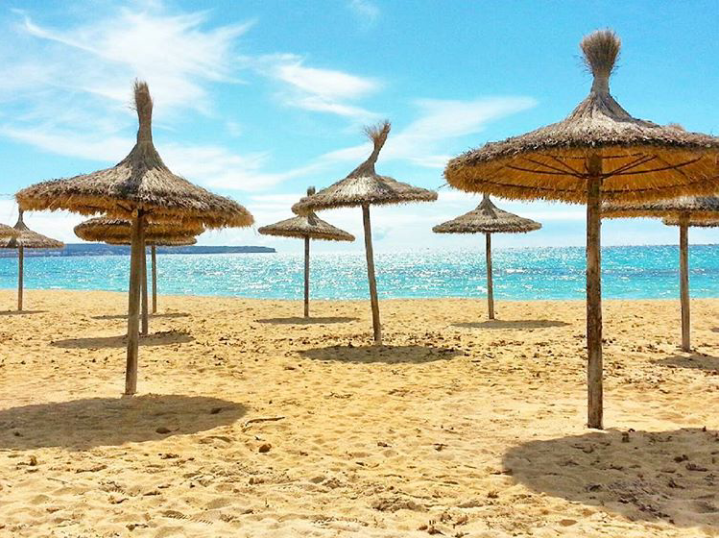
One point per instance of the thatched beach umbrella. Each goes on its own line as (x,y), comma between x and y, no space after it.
(684,212)
(599,152)
(307,227)
(364,187)
(140,188)
(674,221)
(488,219)
(119,232)
(24,238)
(6,232)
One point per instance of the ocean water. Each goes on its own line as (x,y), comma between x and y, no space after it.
(523,274)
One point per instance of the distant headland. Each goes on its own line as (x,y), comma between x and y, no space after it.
(101,249)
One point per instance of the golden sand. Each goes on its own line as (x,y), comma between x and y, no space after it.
(456,426)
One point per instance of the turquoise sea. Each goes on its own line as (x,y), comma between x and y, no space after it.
(530,273)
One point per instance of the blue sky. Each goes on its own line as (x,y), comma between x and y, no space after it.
(259,99)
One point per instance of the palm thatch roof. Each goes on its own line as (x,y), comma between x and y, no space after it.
(309,225)
(487,218)
(6,232)
(694,207)
(691,221)
(26,238)
(640,159)
(168,241)
(110,230)
(141,181)
(364,185)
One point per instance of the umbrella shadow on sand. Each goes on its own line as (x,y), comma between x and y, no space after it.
(166,315)
(512,324)
(94,342)
(668,476)
(696,361)
(93,422)
(386,354)
(307,321)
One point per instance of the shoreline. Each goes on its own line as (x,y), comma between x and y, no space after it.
(480,299)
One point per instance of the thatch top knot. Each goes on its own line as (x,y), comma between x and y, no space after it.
(601,50)
(143,105)
(378,135)
(311,191)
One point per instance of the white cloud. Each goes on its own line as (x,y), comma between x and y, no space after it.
(443,121)
(316,89)
(234,129)
(70,143)
(217,167)
(365,10)
(439,124)
(174,53)
(323,83)
(212,166)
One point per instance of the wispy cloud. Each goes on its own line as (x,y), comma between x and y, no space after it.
(176,54)
(438,125)
(365,10)
(211,165)
(317,89)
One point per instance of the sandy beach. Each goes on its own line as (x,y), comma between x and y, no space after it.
(456,427)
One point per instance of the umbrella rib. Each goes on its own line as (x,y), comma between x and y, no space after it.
(121,205)
(662,169)
(679,171)
(560,161)
(563,172)
(538,172)
(638,162)
(513,186)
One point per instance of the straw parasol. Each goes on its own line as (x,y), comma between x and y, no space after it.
(140,188)
(488,219)
(673,221)
(7,232)
(364,187)
(684,212)
(119,232)
(598,152)
(307,227)
(24,238)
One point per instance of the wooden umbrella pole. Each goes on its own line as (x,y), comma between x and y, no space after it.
(490,285)
(307,276)
(376,325)
(594,294)
(20,275)
(145,306)
(684,281)
(154,279)
(133,311)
